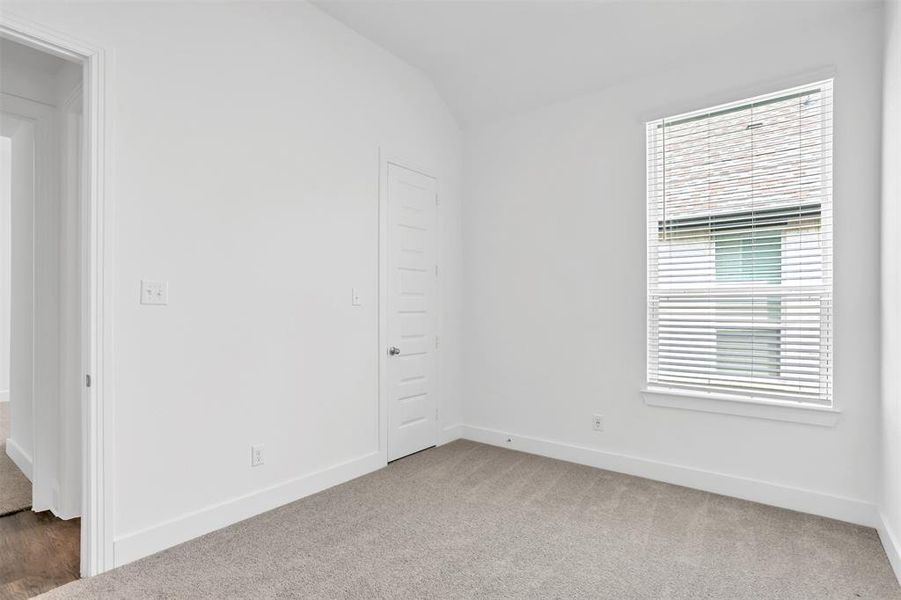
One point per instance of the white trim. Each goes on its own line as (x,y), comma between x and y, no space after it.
(383,305)
(450,433)
(22,459)
(891,545)
(4,396)
(144,542)
(70,349)
(97,208)
(726,404)
(851,510)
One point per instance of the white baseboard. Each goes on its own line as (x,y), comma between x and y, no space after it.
(22,459)
(891,545)
(827,505)
(450,433)
(138,544)
(135,545)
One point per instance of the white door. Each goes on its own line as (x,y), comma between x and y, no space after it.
(412,304)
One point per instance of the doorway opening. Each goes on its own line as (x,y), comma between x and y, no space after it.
(40,319)
(53,98)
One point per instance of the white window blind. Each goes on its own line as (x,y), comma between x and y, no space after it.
(740,248)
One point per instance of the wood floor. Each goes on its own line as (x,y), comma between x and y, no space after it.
(38,552)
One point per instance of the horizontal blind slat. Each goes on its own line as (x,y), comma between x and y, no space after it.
(740,248)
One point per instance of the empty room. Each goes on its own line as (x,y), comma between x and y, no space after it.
(464,299)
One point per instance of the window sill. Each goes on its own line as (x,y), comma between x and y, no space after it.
(732,405)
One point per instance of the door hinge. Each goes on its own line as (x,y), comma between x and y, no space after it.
(87,381)
(436,270)
(436,342)
(436,200)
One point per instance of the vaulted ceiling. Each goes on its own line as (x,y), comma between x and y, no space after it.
(492,58)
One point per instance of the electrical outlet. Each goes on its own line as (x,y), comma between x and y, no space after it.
(256,455)
(355,297)
(597,422)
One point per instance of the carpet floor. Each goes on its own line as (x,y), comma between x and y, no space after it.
(467,520)
(15,489)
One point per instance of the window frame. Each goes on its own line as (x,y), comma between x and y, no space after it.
(795,410)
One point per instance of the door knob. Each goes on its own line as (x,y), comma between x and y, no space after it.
(393,351)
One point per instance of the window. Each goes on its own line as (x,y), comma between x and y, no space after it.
(740,248)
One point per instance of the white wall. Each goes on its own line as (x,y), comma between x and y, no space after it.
(891,289)
(21,361)
(246,142)
(555,276)
(5,199)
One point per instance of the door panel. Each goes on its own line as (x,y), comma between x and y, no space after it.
(412,420)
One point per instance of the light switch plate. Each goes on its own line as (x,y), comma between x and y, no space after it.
(355,297)
(154,292)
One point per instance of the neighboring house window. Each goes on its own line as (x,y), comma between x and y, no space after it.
(740,248)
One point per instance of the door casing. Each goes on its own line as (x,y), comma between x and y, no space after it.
(97,226)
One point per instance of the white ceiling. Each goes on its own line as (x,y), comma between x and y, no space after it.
(491,58)
(29,59)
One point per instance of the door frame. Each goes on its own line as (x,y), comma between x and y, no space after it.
(96,207)
(386,158)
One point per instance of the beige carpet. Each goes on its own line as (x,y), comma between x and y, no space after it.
(15,489)
(472,521)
